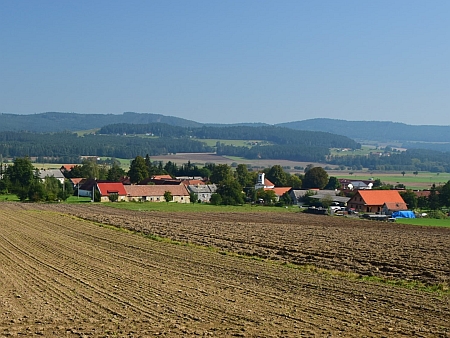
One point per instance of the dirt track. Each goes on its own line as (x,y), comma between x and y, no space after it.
(60,275)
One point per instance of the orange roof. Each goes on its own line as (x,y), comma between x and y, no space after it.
(155,190)
(111,188)
(161,177)
(379,197)
(267,183)
(68,167)
(279,191)
(76,180)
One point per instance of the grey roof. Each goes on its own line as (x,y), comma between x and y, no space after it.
(56,173)
(340,199)
(359,184)
(202,188)
(299,193)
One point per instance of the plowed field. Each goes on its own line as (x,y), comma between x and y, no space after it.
(63,275)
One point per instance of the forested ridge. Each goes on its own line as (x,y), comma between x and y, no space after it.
(70,146)
(383,131)
(58,122)
(288,144)
(277,135)
(280,143)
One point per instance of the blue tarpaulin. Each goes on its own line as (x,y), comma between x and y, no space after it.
(403,214)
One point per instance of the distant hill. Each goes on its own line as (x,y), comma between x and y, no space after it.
(374,130)
(57,122)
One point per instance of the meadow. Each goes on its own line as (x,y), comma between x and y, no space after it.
(425,222)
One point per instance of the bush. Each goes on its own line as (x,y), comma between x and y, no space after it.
(216,199)
(436,214)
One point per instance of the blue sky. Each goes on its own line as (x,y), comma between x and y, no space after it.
(228,61)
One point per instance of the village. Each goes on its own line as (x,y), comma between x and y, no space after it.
(357,198)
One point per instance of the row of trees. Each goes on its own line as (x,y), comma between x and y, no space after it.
(438,198)
(22,179)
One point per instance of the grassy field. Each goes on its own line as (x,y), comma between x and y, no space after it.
(423,180)
(425,222)
(237,143)
(365,150)
(8,197)
(195,207)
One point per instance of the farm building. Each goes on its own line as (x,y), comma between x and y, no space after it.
(56,173)
(373,200)
(155,193)
(203,191)
(108,189)
(298,195)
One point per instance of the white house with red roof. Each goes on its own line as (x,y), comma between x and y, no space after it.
(107,189)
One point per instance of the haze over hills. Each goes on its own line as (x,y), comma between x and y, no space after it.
(410,136)
(374,130)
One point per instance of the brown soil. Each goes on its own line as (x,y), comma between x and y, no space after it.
(61,275)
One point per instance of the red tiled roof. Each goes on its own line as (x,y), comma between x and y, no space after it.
(111,188)
(267,183)
(379,197)
(423,193)
(279,191)
(161,177)
(155,190)
(396,206)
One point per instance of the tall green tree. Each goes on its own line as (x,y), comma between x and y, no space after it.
(20,174)
(433,198)
(444,194)
(294,181)
(316,177)
(410,198)
(115,173)
(138,170)
(230,192)
(242,176)
(333,183)
(277,176)
(221,172)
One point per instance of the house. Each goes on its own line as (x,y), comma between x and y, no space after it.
(56,173)
(372,201)
(155,193)
(86,187)
(107,189)
(297,195)
(203,191)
